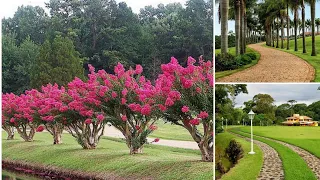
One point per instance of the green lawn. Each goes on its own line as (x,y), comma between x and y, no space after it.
(172,132)
(111,156)
(307,138)
(233,52)
(313,60)
(248,167)
(294,166)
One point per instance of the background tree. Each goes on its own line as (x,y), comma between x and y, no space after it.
(58,62)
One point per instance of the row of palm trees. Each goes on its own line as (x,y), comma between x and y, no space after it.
(269,18)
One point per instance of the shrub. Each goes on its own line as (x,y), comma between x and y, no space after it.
(245,59)
(228,62)
(234,151)
(253,56)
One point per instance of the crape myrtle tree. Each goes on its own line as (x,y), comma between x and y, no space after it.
(9,129)
(187,93)
(17,113)
(47,107)
(129,102)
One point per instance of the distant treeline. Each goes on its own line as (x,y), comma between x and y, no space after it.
(38,47)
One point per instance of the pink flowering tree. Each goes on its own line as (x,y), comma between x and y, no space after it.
(188,96)
(81,112)
(128,100)
(17,113)
(48,106)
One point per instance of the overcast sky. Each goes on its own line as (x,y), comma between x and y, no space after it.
(8,8)
(281,93)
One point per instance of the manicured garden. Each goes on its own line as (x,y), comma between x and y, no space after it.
(110,157)
(313,60)
(247,168)
(294,166)
(232,51)
(307,138)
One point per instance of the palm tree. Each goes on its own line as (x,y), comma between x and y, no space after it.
(317,23)
(237,24)
(295,7)
(313,15)
(288,24)
(303,14)
(224,12)
(308,25)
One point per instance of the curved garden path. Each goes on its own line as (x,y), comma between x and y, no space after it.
(273,66)
(312,161)
(272,165)
(113,132)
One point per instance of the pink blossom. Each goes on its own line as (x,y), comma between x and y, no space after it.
(156,140)
(124,92)
(124,118)
(139,69)
(12,120)
(198,90)
(203,115)
(162,107)
(146,110)
(40,129)
(169,102)
(123,101)
(100,117)
(114,94)
(88,121)
(153,127)
(194,122)
(185,109)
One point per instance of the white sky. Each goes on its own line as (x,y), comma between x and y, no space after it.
(281,93)
(8,8)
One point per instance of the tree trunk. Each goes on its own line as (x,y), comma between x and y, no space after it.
(56,131)
(22,130)
(242,33)
(224,9)
(277,33)
(313,9)
(288,27)
(244,30)
(303,27)
(282,33)
(237,26)
(10,131)
(206,152)
(272,31)
(295,30)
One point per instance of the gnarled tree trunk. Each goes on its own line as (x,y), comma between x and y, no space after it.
(22,130)
(9,130)
(56,131)
(87,135)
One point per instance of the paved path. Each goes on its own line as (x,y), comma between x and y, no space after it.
(273,66)
(312,161)
(272,165)
(113,132)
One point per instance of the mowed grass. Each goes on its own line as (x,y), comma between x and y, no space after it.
(248,167)
(294,166)
(172,132)
(313,60)
(307,138)
(233,52)
(158,162)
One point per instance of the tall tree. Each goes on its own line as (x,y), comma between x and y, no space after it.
(224,11)
(58,62)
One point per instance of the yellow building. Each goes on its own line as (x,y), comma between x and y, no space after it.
(297,120)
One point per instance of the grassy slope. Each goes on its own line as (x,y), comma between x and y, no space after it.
(110,157)
(294,166)
(248,167)
(307,138)
(313,60)
(233,51)
(172,132)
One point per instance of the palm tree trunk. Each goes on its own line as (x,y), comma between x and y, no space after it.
(277,32)
(288,27)
(244,31)
(237,26)
(313,15)
(241,26)
(303,27)
(224,7)
(272,33)
(295,30)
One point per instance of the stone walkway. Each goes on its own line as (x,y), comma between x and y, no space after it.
(272,168)
(312,161)
(113,132)
(273,66)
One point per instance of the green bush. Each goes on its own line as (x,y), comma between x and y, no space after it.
(234,151)
(225,63)
(253,56)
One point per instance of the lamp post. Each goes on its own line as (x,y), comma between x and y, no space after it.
(251,116)
(226,124)
(222,122)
